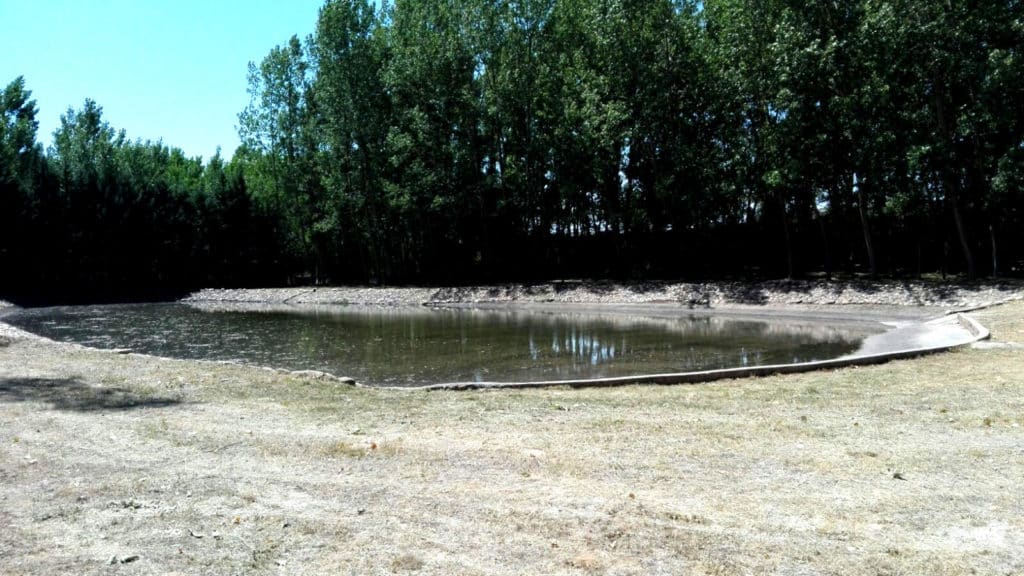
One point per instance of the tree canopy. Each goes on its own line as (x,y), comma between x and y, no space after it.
(444,141)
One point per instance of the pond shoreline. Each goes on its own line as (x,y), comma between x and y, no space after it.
(904,305)
(894,304)
(909,310)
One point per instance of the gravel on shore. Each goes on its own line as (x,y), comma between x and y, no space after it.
(693,295)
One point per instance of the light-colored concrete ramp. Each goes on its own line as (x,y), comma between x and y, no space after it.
(940,333)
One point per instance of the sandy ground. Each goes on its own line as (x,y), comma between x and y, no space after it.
(125,464)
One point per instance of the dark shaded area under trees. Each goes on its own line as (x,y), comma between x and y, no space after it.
(471,141)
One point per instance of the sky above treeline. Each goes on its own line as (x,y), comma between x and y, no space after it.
(170,70)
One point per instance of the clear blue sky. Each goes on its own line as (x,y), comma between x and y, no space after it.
(170,69)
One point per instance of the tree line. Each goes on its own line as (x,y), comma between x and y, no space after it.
(453,141)
(99,217)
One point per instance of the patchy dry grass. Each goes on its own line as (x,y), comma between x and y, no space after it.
(912,467)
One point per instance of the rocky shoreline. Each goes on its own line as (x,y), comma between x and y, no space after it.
(692,295)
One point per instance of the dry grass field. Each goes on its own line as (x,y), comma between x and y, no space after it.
(125,464)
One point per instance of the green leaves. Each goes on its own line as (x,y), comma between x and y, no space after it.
(482,140)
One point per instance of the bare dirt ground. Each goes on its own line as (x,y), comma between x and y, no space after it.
(126,464)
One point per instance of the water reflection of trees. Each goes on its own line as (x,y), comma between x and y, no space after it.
(684,323)
(564,342)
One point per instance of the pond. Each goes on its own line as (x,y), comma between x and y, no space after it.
(417,345)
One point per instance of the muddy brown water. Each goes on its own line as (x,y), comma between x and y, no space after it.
(408,346)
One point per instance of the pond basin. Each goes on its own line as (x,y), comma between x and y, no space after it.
(414,346)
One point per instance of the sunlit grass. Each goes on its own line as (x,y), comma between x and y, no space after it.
(908,467)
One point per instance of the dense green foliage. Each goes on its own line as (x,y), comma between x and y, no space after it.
(100,217)
(444,141)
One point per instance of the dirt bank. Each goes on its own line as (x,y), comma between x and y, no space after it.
(692,295)
(126,464)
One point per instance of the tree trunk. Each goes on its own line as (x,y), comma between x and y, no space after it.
(862,211)
(824,241)
(962,234)
(945,257)
(995,257)
(918,275)
(952,190)
(786,236)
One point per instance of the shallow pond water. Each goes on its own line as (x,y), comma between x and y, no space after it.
(414,345)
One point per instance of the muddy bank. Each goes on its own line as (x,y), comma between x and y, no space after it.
(691,295)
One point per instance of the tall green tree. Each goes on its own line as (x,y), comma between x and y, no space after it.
(350,55)
(21,164)
(280,129)
(960,58)
(744,36)
(434,154)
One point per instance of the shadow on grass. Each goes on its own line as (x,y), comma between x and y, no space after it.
(75,395)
